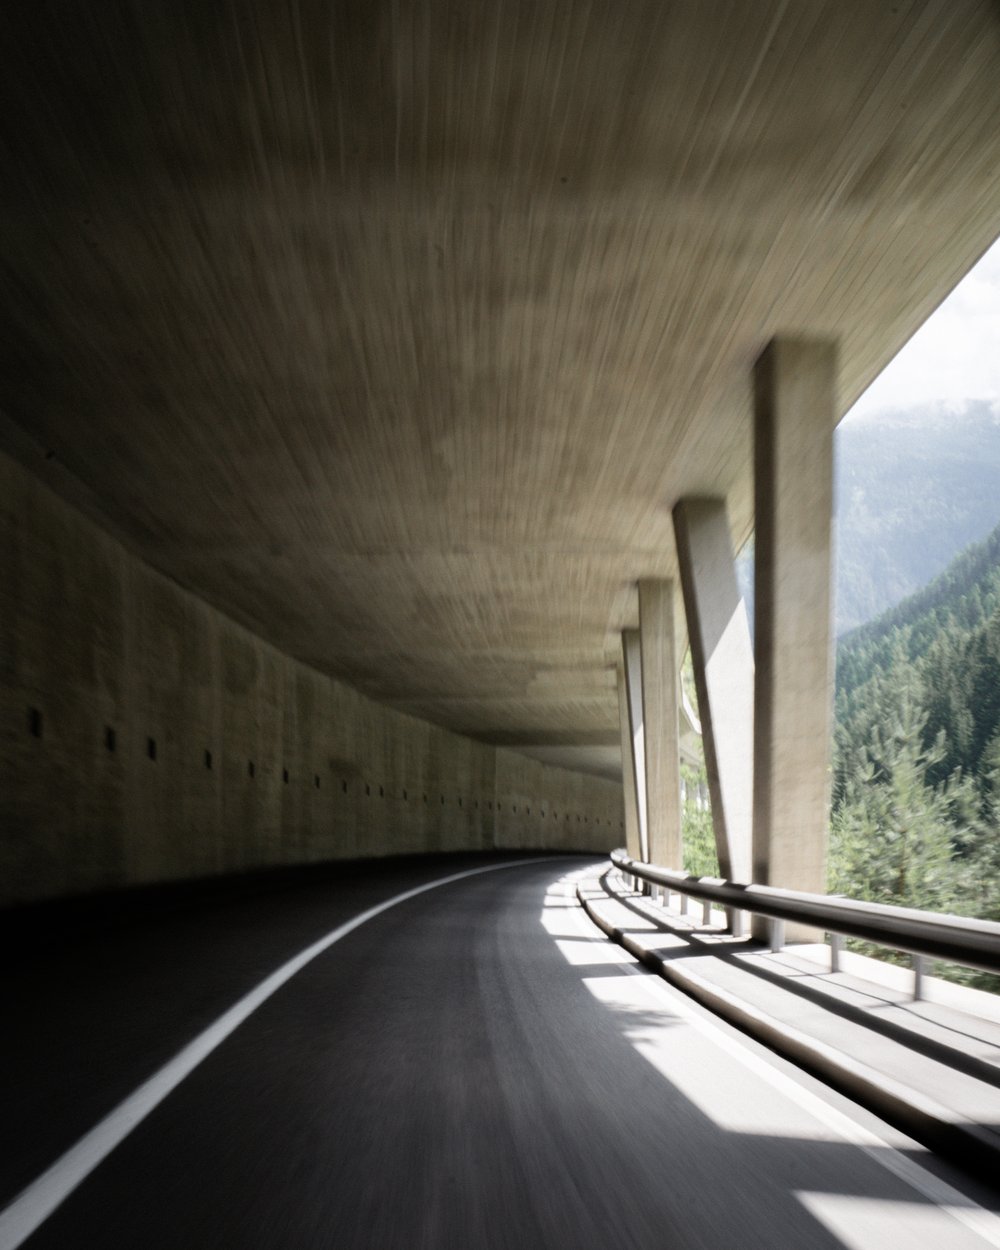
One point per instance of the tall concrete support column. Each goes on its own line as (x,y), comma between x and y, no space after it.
(794,416)
(632,659)
(661,703)
(722,656)
(628,771)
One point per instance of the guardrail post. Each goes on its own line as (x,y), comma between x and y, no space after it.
(776,929)
(706,911)
(836,947)
(919,970)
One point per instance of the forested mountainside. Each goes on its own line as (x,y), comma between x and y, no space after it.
(947,637)
(916,778)
(912,489)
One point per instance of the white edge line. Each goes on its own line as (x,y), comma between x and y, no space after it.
(34,1204)
(979,1219)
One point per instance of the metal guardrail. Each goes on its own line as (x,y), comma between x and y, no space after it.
(954,939)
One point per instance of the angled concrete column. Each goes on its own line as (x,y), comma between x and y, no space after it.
(628,771)
(794,417)
(660,701)
(632,658)
(722,657)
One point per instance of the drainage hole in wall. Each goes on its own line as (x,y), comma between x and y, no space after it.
(110,738)
(381,793)
(208,759)
(151,748)
(316,780)
(34,722)
(251,771)
(284,775)
(343,786)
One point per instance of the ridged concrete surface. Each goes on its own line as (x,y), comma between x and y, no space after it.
(396,331)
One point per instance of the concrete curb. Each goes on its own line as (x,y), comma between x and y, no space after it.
(922,1118)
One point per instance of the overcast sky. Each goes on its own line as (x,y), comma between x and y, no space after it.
(955,354)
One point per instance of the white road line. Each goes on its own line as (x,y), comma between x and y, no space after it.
(985,1223)
(35,1204)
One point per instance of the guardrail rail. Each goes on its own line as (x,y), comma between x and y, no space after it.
(921,934)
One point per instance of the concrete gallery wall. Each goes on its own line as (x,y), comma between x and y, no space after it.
(145,736)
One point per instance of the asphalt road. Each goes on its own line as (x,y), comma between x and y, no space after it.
(474,1067)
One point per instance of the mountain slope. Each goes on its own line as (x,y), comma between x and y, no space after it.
(958,602)
(932,663)
(912,490)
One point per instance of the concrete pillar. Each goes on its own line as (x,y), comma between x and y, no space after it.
(660,701)
(794,415)
(628,771)
(722,657)
(632,658)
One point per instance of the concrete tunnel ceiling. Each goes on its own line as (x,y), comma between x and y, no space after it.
(396,331)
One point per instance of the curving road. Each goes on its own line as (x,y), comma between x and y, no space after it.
(475,1066)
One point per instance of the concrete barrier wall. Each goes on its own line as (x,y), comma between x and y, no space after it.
(541,807)
(145,736)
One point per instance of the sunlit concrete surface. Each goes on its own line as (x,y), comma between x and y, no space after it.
(795,408)
(661,662)
(932,1066)
(724,674)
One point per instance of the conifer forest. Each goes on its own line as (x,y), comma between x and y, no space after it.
(916,762)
